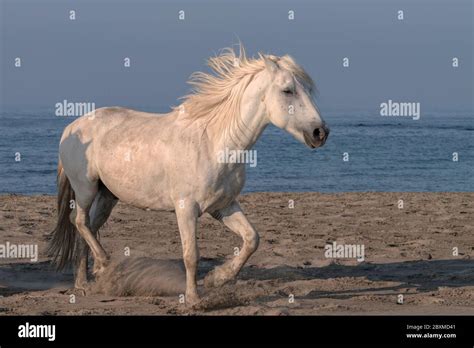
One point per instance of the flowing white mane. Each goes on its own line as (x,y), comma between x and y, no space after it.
(216,97)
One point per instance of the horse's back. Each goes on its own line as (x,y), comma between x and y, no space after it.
(83,139)
(101,120)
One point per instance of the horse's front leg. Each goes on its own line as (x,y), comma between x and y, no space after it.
(235,220)
(187,221)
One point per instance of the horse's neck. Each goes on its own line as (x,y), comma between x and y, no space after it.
(250,125)
(248,130)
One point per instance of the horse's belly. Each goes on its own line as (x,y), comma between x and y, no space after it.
(140,196)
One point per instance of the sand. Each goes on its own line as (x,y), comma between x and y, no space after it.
(408,252)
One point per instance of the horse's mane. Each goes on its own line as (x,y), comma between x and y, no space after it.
(216,97)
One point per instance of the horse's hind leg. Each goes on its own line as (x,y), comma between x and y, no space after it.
(99,212)
(80,276)
(85,196)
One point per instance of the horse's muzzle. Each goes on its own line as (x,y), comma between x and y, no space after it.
(317,138)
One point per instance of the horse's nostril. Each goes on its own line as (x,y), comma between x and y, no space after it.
(316,133)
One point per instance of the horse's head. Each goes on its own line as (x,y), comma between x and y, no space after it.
(289,103)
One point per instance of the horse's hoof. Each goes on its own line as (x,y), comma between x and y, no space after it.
(192,301)
(74,291)
(100,266)
(80,287)
(99,269)
(82,291)
(215,279)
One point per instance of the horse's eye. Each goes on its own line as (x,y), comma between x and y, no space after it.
(288,91)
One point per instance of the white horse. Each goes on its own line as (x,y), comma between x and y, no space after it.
(169,162)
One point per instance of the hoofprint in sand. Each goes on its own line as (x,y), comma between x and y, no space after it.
(409,251)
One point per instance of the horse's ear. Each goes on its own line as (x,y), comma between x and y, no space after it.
(269,64)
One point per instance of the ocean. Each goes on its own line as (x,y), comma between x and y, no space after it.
(364,152)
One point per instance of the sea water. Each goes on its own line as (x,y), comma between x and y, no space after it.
(364,152)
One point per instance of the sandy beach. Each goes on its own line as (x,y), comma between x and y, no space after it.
(409,251)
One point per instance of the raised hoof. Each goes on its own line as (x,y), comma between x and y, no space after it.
(99,267)
(216,278)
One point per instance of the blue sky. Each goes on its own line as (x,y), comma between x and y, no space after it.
(82,60)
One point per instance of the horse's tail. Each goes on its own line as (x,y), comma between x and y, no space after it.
(63,243)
